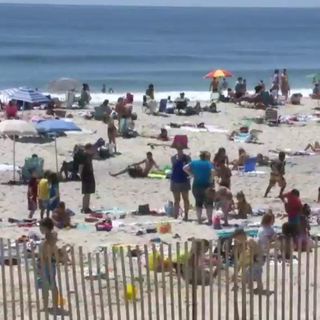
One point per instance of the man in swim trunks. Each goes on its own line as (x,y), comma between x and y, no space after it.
(136,171)
(277,174)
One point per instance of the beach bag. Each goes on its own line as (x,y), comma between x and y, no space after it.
(180,141)
(104,153)
(143,209)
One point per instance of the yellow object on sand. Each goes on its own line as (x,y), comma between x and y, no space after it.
(154,261)
(61,300)
(131,292)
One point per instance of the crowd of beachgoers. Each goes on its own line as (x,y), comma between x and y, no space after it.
(209,177)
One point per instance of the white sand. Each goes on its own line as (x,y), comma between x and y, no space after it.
(126,193)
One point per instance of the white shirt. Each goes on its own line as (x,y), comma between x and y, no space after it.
(265,235)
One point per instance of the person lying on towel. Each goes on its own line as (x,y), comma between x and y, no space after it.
(136,170)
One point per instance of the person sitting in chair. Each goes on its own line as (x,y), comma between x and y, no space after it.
(181,102)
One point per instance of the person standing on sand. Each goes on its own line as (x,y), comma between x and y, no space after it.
(180,182)
(214,85)
(284,84)
(202,172)
(87,177)
(47,264)
(150,91)
(277,174)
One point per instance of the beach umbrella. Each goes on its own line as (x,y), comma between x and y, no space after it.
(26,95)
(55,127)
(64,85)
(16,128)
(219,73)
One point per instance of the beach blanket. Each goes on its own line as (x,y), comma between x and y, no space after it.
(207,128)
(9,168)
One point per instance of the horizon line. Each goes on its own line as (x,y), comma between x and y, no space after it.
(157,6)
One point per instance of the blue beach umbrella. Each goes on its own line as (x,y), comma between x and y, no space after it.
(55,127)
(26,95)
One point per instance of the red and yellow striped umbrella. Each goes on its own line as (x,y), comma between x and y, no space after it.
(219,73)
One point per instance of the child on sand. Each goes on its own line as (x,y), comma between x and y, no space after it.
(43,194)
(47,263)
(61,217)
(198,263)
(224,200)
(136,171)
(32,194)
(249,259)
(112,132)
(244,208)
(266,233)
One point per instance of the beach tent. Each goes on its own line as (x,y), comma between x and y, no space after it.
(63,85)
(16,128)
(55,127)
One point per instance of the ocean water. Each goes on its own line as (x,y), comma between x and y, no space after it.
(129,47)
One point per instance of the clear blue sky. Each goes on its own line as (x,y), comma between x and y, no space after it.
(225,3)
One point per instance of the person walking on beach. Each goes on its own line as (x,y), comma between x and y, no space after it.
(202,173)
(284,84)
(87,177)
(180,182)
(277,174)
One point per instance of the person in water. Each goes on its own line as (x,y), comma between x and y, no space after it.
(136,170)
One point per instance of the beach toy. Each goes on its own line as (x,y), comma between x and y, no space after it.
(131,292)
(164,227)
(61,300)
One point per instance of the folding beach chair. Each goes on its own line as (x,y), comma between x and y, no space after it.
(249,166)
(272,116)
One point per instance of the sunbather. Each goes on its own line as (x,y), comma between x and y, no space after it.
(136,171)
(263,160)
(313,147)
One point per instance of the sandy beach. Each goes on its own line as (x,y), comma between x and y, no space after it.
(126,193)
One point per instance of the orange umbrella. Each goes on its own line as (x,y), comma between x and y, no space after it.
(219,73)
